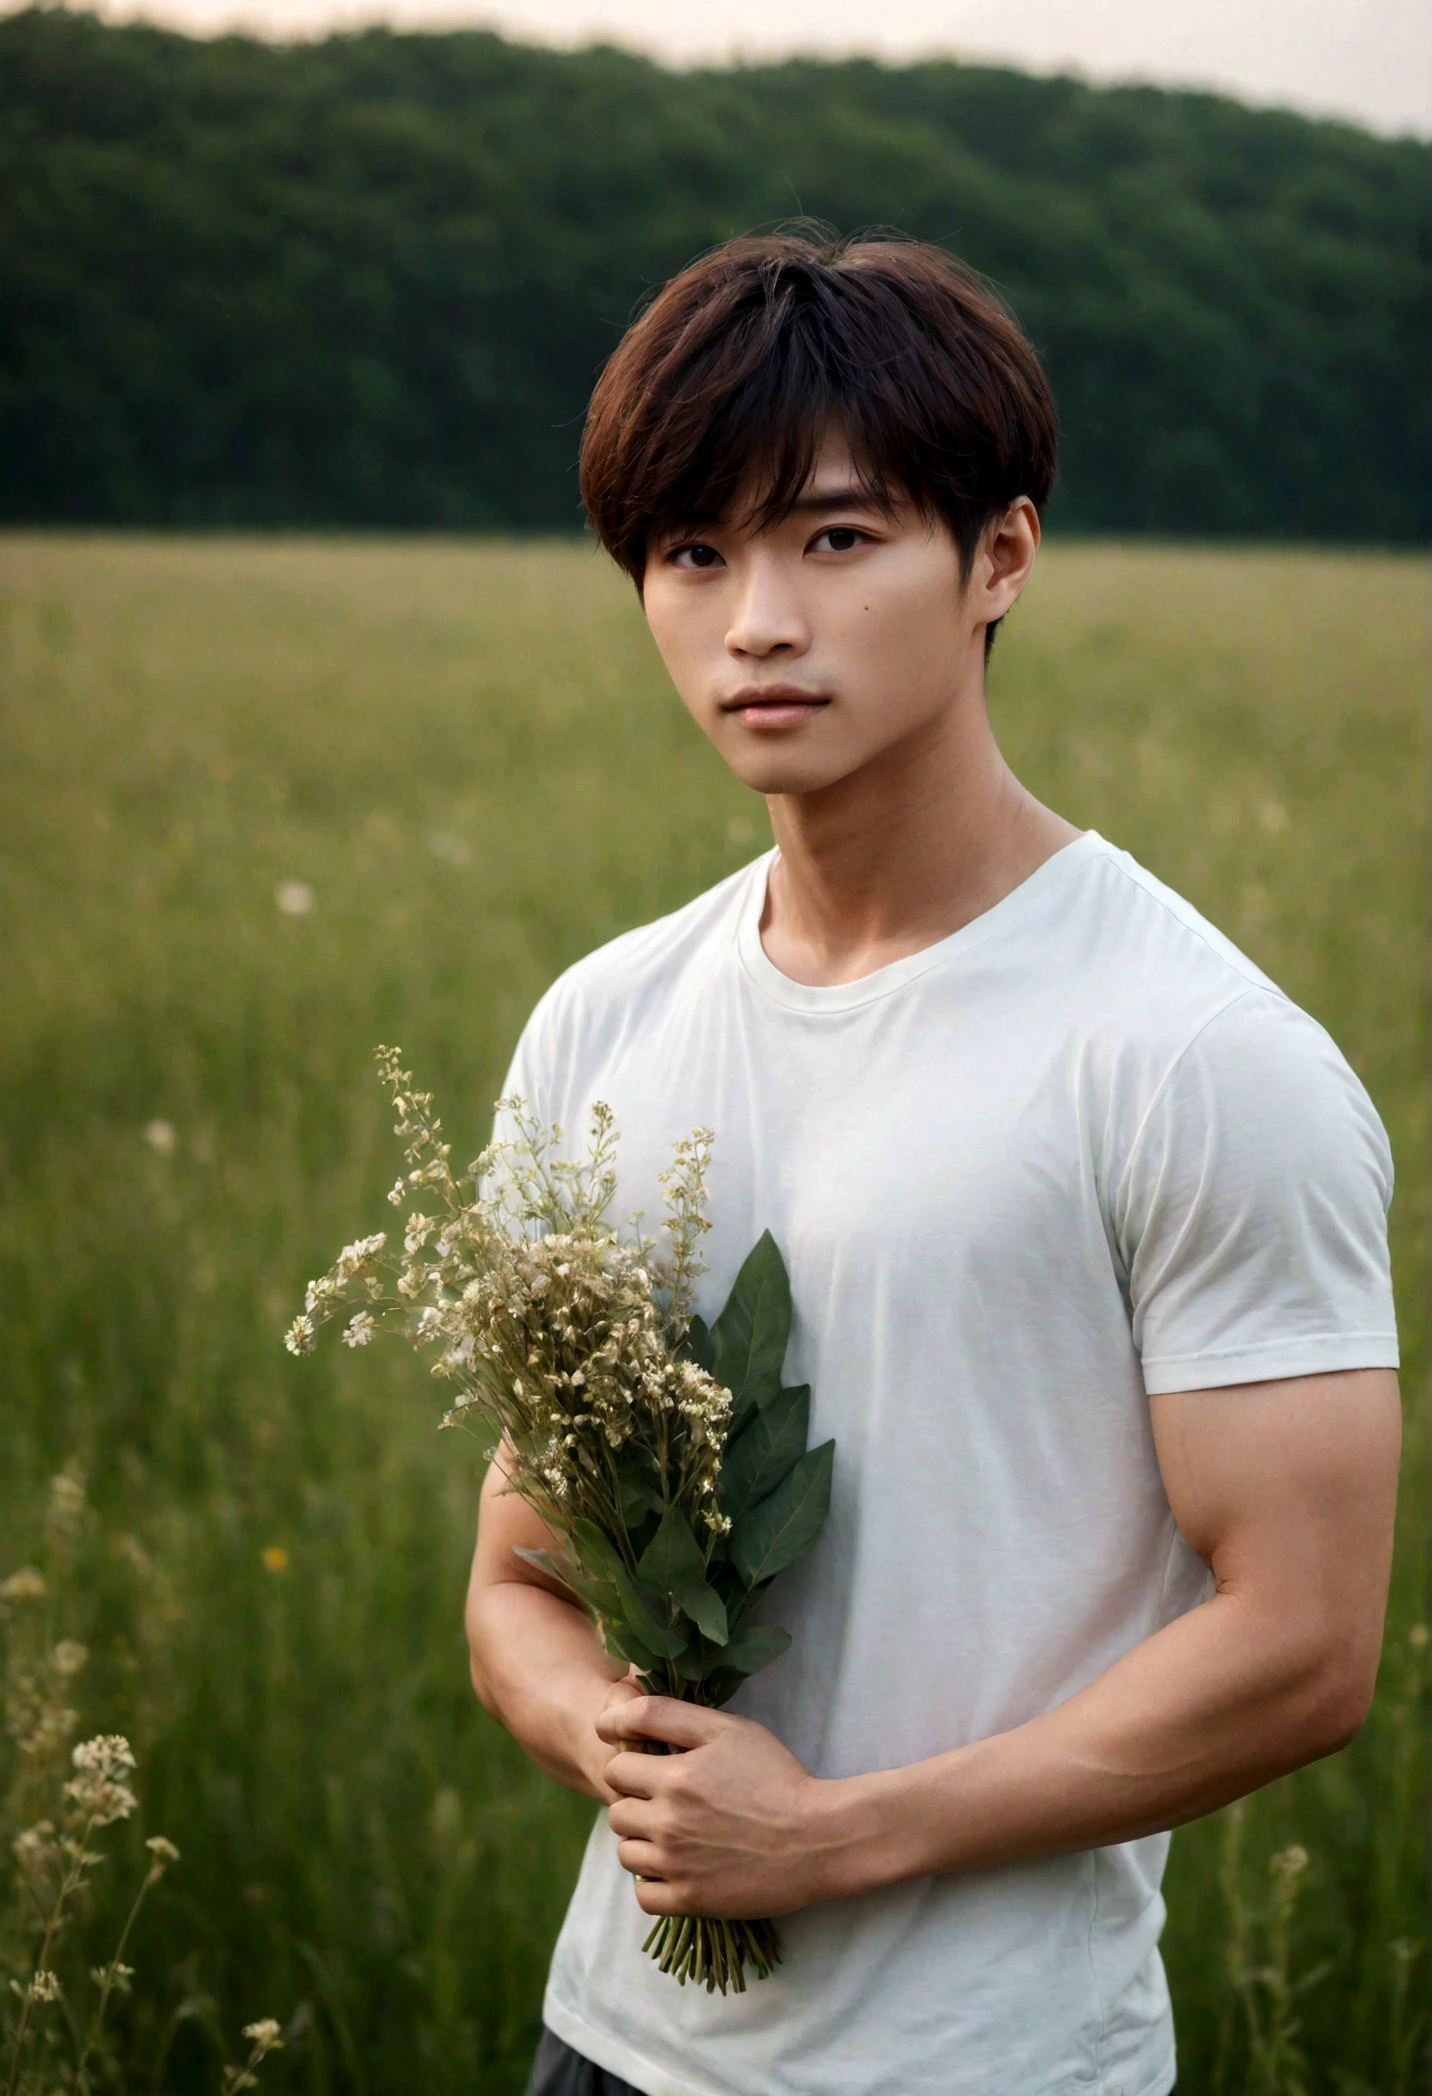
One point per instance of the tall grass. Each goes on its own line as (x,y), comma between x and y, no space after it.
(264,804)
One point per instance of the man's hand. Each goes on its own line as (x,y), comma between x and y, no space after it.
(731,1827)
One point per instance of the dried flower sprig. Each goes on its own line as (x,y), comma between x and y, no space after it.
(667,1458)
(57,1800)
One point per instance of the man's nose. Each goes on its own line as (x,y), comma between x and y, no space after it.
(767,617)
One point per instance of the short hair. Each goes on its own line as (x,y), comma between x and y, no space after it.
(723,388)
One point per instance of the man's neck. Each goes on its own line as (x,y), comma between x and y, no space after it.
(901,853)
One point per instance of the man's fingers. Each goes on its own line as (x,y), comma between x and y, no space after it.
(658,1717)
(623,1691)
(654,1897)
(641,1858)
(630,1775)
(630,1818)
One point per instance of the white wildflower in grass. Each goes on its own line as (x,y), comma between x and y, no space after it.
(294,898)
(25,1585)
(65,1514)
(36,1849)
(264,2037)
(98,1790)
(665,1457)
(44,1987)
(161,1136)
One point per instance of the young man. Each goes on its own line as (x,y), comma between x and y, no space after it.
(1085,1227)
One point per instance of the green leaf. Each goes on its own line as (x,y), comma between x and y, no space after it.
(754,1646)
(786,1523)
(598,1594)
(720,1686)
(639,1478)
(621,1639)
(667,1639)
(673,1564)
(595,1552)
(635,1504)
(748,1339)
(598,1557)
(767,1447)
(698,1342)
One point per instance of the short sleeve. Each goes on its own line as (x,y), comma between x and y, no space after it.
(1251,1213)
(544,1062)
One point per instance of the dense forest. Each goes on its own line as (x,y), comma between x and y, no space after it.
(369,281)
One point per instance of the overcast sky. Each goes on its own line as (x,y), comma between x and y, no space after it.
(1370,60)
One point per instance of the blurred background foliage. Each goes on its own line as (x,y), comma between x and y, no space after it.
(369,281)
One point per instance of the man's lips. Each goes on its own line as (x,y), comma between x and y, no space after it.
(774,705)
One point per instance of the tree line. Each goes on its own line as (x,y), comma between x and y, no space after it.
(369,281)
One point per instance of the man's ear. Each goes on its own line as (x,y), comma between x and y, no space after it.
(1006,554)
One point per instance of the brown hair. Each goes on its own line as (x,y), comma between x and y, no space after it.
(729,379)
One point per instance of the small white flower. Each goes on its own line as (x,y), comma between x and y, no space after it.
(25,1585)
(34,1848)
(44,1986)
(68,1658)
(98,1790)
(161,1136)
(107,1754)
(265,2034)
(359,1329)
(294,898)
(162,1850)
(301,1336)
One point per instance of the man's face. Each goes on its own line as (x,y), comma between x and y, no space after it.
(809,650)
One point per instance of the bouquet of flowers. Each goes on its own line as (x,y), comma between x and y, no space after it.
(666,1457)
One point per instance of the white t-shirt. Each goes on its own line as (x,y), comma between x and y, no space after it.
(1080,1152)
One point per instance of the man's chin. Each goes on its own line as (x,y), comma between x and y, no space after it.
(786,774)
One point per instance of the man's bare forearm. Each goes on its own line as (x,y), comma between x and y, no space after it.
(1203,1712)
(538,1668)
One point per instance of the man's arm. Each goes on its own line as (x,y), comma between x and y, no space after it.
(1286,1489)
(536,1662)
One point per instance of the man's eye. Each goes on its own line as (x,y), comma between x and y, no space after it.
(696,556)
(840,538)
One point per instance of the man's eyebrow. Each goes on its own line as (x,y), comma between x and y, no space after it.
(853,496)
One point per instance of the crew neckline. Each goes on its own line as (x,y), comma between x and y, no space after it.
(882,982)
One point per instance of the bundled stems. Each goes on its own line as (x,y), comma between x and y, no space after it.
(690,1947)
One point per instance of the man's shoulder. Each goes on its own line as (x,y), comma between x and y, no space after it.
(1159,943)
(625,974)
(1166,990)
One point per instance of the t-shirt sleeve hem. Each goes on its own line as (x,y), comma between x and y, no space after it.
(1273,1361)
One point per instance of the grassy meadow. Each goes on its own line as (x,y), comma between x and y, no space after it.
(264,804)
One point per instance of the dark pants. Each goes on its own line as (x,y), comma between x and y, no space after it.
(558,2071)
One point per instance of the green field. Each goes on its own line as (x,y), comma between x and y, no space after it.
(464,759)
